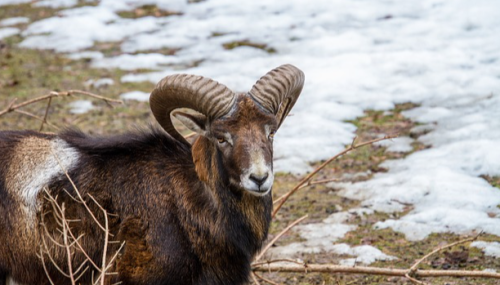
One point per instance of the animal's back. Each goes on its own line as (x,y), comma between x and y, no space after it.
(115,170)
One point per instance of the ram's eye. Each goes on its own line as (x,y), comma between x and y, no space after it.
(271,135)
(221,140)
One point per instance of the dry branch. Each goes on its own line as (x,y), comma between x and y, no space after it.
(71,244)
(278,236)
(413,268)
(279,265)
(310,175)
(264,279)
(12,107)
(331,268)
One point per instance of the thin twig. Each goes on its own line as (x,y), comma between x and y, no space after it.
(9,107)
(189,135)
(310,175)
(46,113)
(105,99)
(12,107)
(278,236)
(34,117)
(254,278)
(45,267)
(82,273)
(416,281)
(414,267)
(68,250)
(265,279)
(51,258)
(106,238)
(276,261)
(416,264)
(78,193)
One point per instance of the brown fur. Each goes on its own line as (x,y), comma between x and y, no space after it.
(182,219)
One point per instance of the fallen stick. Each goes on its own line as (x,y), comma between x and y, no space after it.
(331,268)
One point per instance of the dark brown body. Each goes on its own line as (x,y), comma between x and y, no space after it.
(174,228)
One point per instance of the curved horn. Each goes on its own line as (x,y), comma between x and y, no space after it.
(278,90)
(201,94)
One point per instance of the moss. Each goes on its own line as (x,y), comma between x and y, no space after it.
(217,34)
(493,180)
(108,49)
(247,43)
(147,10)
(26,10)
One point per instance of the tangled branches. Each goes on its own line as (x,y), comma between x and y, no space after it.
(13,107)
(66,241)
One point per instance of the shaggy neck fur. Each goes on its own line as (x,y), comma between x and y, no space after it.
(240,226)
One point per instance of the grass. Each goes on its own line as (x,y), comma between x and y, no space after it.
(147,10)
(28,73)
(246,43)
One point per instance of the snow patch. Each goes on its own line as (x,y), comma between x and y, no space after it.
(399,144)
(14,21)
(7,32)
(102,82)
(136,95)
(56,3)
(13,2)
(489,248)
(80,106)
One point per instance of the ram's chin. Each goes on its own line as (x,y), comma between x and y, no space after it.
(259,193)
(256,190)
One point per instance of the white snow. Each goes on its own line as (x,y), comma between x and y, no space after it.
(357,55)
(99,83)
(321,237)
(489,248)
(12,2)
(138,61)
(135,95)
(56,3)
(14,21)
(86,55)
(81,106)
(7,32)
(399,144)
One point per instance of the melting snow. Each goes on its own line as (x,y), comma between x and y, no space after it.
(14,21)
(400,144)
(489,248)
(56,3)
(81,106)
(7,32)
(136,95)
(102,82)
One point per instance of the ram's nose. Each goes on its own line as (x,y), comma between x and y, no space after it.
(259,179)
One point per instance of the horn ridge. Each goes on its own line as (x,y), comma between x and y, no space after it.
(201,94)
(271,90)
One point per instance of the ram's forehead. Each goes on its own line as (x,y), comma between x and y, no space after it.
(246,113)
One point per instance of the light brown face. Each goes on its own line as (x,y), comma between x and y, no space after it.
(244,140)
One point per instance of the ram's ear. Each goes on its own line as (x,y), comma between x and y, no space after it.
(194,122)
